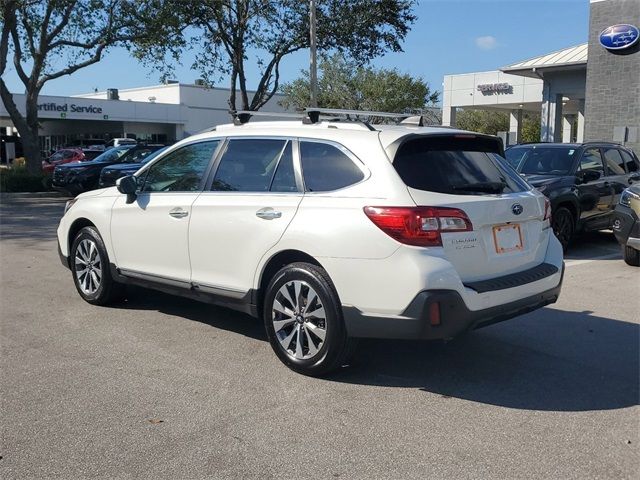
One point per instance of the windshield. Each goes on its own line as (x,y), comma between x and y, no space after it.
(111,155)
(541,160)
(139,155)
(152,155)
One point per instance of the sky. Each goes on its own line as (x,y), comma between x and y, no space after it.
(449,37)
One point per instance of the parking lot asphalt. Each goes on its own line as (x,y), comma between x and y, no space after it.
(162,387)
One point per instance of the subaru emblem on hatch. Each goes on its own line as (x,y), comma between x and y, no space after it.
(516,208)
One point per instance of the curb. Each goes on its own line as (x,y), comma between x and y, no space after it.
(32,195)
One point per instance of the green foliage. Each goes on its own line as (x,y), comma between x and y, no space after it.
(344,84)
(530,127)
(493,121)
(229,35)
(483,121)
(18,179)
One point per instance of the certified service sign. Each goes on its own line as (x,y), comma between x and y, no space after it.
(618,37)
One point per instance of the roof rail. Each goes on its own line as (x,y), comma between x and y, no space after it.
(313,115)
(240,117)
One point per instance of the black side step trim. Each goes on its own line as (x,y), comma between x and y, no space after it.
(512,280)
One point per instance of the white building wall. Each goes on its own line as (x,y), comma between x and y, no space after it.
(462,90)
(204,107)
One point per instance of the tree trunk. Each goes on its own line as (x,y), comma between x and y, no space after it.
(30,141)
(27,128)
(31,149)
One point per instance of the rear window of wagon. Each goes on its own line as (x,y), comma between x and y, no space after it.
(458,166)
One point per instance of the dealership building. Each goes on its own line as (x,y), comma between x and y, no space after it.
(587,92)
(162,113)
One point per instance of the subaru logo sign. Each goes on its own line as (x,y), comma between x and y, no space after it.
(516,208)
(618,37)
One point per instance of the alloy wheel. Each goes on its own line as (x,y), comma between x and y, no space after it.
(88,266)
(299,320)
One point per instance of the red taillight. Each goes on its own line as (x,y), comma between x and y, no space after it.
(547,209)
(434,314)
(419,226)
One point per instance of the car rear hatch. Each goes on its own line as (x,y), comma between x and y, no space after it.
(509,229)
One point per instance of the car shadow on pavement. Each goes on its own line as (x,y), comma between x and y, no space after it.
(549,360)
(592,245)
(139,298)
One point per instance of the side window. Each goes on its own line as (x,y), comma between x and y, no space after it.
(591,160)
(326,168)
(256,165)
(614,161)
(181,170)
(632,165)
(69,154)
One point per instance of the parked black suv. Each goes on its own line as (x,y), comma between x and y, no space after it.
(81,177)
(583,181)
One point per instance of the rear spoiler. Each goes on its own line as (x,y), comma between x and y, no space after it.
(469,141)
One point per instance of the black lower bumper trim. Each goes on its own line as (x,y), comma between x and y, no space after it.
(455,317)
(512,280)
(625,224)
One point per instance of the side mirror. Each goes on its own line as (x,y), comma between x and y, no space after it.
(129,186)
(589,175)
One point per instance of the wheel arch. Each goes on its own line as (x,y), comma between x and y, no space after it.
(275,263)
(571,205)
(77,225)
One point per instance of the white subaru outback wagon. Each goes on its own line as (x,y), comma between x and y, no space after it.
(327,230)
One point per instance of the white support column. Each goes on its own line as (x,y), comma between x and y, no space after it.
(566,128)
(551,118)
(449,116)
(515,126)
(580,132)
(548,112)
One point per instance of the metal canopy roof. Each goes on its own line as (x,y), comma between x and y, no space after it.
(569,57)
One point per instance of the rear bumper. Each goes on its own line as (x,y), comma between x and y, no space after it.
(455,317)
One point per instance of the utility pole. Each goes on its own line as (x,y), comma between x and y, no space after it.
(313,66)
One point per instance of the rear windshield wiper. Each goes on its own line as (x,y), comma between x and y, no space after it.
(490,187)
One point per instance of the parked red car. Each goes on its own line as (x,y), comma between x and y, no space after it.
(66,155)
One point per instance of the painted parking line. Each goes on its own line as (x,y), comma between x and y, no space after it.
(573,263)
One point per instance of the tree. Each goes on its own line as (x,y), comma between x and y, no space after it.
(53,38)
(231,34)
(530,127)
(483,121)
(493,121)
(344,84)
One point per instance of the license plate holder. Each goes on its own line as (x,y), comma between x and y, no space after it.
(508,238)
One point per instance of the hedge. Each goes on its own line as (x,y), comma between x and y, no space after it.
(17,179)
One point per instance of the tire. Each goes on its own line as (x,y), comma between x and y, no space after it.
(325,345)
(89,255)
(631,256)
(563,225)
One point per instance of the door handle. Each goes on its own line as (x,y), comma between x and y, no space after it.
(268,213)
(178,213)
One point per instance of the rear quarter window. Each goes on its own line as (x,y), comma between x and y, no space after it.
(325,167)
(456,166)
